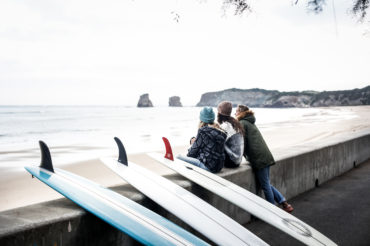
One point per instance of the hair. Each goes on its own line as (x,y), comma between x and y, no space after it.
(243,108)
(235,123)
(213,124)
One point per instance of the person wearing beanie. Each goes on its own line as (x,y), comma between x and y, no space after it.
(259,156)
(234,144)
(207,149)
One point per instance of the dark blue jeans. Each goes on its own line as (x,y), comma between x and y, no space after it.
(271,193)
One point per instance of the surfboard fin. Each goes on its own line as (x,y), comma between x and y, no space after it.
(168,154)
(46,162)
(122,156)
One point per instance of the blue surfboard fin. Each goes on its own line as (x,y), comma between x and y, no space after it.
(46,162)
(122,157)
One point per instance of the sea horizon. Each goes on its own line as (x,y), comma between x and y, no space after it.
(86,132)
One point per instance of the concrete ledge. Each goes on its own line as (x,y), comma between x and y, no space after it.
(296,174)
(61,222)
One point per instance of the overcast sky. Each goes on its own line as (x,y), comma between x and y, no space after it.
(111,52)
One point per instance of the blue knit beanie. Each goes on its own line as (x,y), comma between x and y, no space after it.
(207,115)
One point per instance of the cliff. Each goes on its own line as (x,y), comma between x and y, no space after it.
(275,99)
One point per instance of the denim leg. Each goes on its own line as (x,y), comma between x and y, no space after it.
(271,193)
(193,161)
(278,197)
(262,176)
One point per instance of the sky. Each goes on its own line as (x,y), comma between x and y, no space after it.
(110,52)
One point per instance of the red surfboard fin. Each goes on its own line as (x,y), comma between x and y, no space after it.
(168,154)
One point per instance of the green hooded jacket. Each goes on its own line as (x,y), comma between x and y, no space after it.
(255,147)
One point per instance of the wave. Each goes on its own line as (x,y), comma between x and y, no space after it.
(43,132)
(22,112)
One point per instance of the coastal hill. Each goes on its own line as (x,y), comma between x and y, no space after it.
(276,99)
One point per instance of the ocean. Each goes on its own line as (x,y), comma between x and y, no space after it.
(75,133)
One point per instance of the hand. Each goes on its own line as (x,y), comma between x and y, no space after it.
(192,140)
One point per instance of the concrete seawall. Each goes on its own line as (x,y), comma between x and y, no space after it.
(297,170)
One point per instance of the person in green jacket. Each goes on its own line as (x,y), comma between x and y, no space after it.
(259,156)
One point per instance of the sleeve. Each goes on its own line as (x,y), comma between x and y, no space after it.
(195,147)
(245,141)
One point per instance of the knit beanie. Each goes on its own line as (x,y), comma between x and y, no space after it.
(225,108)
(207,115)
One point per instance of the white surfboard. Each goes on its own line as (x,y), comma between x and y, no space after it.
(200,215)
(126,215)
(244,199)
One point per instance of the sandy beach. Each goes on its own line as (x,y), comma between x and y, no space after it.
(19,189)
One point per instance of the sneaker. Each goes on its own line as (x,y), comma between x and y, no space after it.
(287,207)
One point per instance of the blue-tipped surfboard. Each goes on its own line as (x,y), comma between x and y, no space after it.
(200,215)
(244,199)
(128,216)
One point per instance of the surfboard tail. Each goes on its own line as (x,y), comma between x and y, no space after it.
(46,162)
(169,154)
(122,156)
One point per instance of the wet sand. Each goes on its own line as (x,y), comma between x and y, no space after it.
(19,189)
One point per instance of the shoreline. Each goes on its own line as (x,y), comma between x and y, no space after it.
(18,189)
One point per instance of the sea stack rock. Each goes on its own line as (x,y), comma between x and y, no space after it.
(144,101)
(174,102)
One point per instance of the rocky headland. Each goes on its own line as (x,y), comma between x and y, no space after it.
(276,99)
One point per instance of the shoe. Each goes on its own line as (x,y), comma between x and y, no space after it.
(287,207)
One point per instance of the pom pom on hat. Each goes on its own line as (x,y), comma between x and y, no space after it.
(207,115)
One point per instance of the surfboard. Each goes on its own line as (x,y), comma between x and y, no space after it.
(243,198)
(200,215)
(124,214)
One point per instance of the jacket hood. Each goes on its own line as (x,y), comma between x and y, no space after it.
(217,133)
(248,116)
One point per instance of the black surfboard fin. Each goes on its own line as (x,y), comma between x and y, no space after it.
(46,162)
(122,157)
